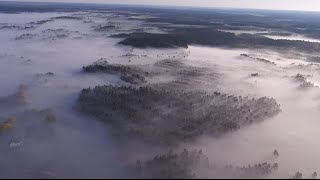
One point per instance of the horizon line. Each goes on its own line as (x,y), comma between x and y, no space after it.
(158,5)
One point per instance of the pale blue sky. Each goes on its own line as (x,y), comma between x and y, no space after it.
(310,5)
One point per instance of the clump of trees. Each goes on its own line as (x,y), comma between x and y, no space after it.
(314,175)
(258,59)
(144,40)
(169,116)
(40,22)
(314,59)
(68,17)
(258,170)
(140,74)
(298,175)
(8,125)
(183,37)
(30,124)
(54,34)
(189,164)
(301,78)
(304,83)
(170,63)
(104,28)
(308,84)
(130,74)
(184,76)
(49,116)
(26,36)
(172,165)
(133,78)
(48,74)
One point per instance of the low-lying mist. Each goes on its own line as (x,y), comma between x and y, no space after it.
(44,133)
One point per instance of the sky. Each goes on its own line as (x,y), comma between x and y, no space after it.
(306,5)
